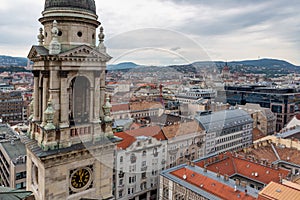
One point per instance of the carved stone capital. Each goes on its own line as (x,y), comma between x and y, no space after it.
(63,74)
(36,73)
(46,74)
(97,74)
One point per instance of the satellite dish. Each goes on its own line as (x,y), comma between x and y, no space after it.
(184,176)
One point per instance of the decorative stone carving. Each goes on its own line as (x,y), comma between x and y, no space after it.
(49,116)
(101,46)
(55,46)
(41,37)
(107,118)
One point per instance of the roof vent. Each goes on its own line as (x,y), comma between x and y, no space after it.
(278,190)
(184,177)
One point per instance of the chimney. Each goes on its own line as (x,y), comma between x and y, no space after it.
(226,177)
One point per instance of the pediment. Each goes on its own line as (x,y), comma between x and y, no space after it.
(37,51)
(85,51)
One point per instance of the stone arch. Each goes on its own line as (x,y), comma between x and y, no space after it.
(87,76)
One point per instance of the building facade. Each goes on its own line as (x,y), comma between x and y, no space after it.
(70,142)
(11,107)
(263,118)
(226,130)
(12,159)
(186,141)
(138,162)
(284,103)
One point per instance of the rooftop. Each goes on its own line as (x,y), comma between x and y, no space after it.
(140,106)
(88,5)
(179,129)
(272,153)
(280,191)
(238,165)
(16,150)
(120,107)
(224,119)
(208,184)
(130,136)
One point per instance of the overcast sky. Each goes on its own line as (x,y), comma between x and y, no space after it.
(173,31)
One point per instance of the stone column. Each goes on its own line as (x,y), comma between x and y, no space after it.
(45,95)
(92,110)
(97,106)
(36,96)
(64,100)
(54,92)
(102,93)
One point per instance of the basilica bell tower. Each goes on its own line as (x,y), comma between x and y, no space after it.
(70,142)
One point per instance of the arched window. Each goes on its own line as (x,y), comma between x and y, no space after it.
(79,109)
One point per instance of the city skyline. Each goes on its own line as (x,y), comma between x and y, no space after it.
(220,30)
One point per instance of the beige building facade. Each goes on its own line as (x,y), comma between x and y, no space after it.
(70,143)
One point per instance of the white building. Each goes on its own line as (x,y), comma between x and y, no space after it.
(139,159)
(186,141)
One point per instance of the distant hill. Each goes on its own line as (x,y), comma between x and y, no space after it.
(122,66)
(8,61)
(265,63)
(267,66)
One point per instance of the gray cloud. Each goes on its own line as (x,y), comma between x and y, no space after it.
(226,29)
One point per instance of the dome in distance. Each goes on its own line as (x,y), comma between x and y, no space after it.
(86,5)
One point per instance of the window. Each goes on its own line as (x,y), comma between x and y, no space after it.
(121,159)
(19,185)
(144,153)
(155,153)
(120,193)
(132,158)
(144,163)
(143,175)
(20,175)
(132,179)
(79,34)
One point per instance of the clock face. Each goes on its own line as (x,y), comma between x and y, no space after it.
(80,178)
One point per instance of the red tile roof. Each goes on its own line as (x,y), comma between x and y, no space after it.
(147,131)
(127,140)
(129,137)
(135,126)
(230,165)
(181,129)
(214,187)
(120,107)
(140,106)
(160,136)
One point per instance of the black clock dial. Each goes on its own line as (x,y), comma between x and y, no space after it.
(80,178)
